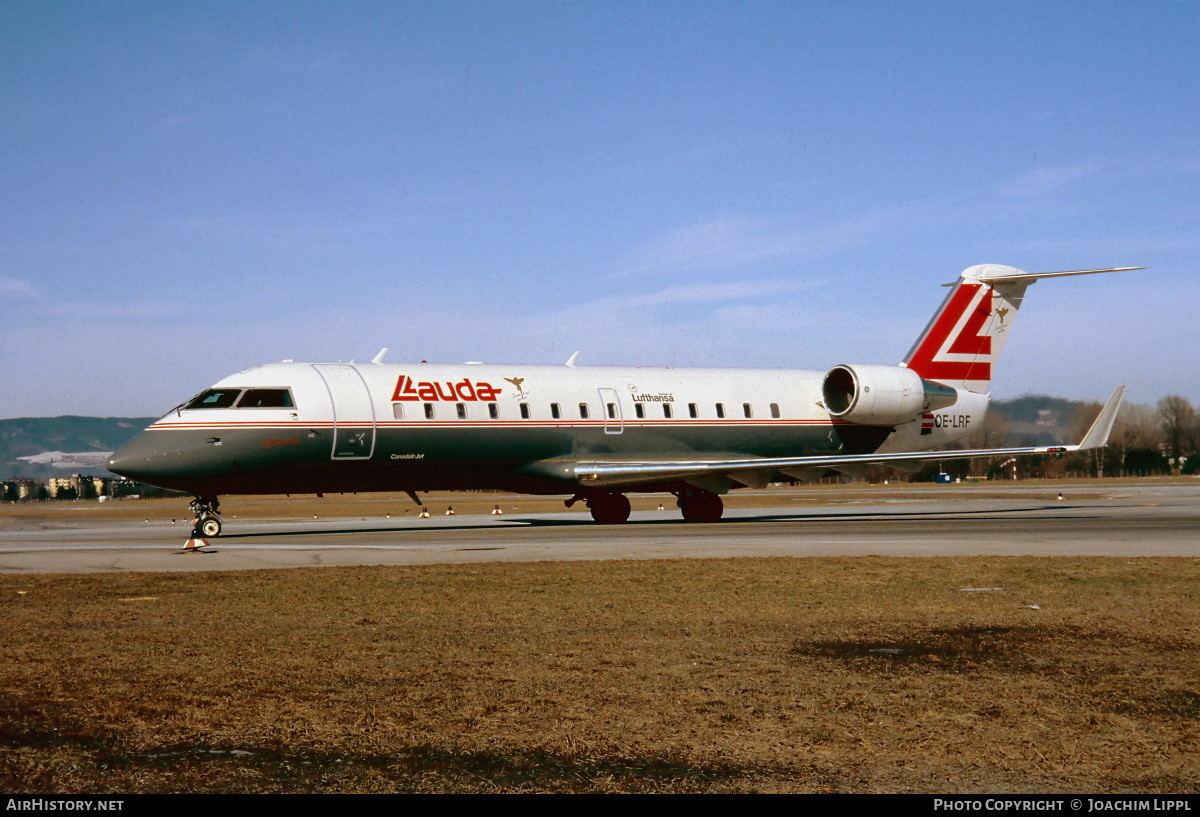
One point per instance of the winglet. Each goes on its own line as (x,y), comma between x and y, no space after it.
(1097,435)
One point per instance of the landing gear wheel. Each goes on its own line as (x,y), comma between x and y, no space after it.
(207,524)
(609,509)
(703,507)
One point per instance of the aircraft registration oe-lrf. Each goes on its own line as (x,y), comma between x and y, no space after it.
(593,433)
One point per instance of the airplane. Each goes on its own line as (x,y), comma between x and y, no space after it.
(592,433)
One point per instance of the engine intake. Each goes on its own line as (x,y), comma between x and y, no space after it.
(882,395)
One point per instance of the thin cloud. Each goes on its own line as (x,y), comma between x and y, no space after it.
(634,308)
(91,311)
(1118,247)
(274,228)
(17,288)
(728,243)
(1048,180)
(709,293)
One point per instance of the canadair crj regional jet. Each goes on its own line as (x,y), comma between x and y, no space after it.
(593,433)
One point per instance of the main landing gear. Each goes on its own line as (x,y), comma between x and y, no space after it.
(207,524)
(612,508)
(700,506)
(608,508)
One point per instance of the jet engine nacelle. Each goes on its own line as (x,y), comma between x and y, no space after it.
(882,395)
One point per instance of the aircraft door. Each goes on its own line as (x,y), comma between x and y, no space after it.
(353,411)
(610,410)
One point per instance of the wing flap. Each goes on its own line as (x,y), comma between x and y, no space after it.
(753,477)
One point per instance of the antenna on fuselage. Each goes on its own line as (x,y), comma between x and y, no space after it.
(571,360)
(378,359)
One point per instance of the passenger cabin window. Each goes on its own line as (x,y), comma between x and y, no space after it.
(493,411)
(461,410)
(639,410)
(720,411)
(554,412)
(398,411)
(266,398)
(667,410)
(693,412)
(583,410)
(524,411)
(429,411)
(747,410)
(215,398)
(612,411)
(775,410)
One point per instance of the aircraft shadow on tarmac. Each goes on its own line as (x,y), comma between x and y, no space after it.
(584,522)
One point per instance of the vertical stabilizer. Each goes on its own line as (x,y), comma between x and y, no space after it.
(962,343)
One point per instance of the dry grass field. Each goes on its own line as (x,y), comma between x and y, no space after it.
(772,675)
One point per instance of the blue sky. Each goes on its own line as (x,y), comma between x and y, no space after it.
(192,188)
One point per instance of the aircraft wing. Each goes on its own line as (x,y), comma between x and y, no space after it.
(756,472)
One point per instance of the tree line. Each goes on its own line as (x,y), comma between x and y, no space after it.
(1146,441)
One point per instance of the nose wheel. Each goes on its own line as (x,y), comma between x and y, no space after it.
(206,524)
(209,527)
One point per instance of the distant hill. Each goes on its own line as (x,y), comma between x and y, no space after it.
(1034,408)
(28,436)
(1036,419)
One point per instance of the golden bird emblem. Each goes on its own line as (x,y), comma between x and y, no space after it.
(517,381)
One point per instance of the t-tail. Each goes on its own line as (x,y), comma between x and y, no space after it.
(962,343)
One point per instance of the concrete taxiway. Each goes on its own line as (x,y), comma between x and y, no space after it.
(1127,519)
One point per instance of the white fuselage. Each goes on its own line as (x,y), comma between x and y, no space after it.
(417,426)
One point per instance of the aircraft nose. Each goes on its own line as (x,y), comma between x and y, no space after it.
(152,458)
(134,459)
(180,461)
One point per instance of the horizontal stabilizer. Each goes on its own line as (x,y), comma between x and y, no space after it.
(992,274)
(1033,276)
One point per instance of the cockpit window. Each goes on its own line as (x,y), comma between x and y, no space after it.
(266,398)
(214,398)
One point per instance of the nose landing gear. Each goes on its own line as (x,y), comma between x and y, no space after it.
(206,524)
